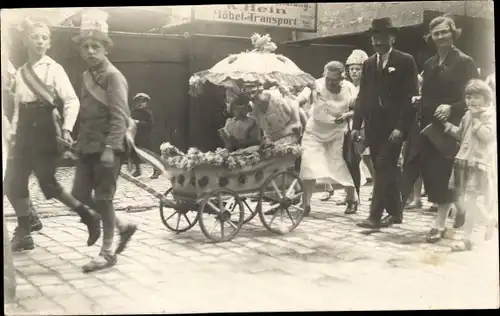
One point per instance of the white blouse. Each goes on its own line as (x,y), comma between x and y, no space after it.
(54,76)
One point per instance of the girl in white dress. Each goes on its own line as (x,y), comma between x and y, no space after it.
(322,159)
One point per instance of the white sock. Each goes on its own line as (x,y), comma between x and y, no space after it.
(442,214)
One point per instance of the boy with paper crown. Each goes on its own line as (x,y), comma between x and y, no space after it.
(105,117)
(40,86)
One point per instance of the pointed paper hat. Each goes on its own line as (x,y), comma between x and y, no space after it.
(94,25)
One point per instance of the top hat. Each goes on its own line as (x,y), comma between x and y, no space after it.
(142,95)
(94,26)
(383,25)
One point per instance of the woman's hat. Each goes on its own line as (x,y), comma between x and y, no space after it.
(357,57)
(382,26)
(94,26)
(142,95)
(446,20)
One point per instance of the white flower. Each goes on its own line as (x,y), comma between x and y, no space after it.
(391,69)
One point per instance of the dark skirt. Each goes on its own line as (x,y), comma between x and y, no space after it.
(435,170)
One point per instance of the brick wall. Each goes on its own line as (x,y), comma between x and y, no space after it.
(345,18)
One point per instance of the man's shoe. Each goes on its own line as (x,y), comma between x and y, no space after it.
(125,236)
(390,220)
(352,208)
(435,235)
(155,175)
(369,223)
(21,240)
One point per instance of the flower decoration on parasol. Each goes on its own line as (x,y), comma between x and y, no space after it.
(256,67)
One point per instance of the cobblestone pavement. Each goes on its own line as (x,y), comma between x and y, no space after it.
(327,263)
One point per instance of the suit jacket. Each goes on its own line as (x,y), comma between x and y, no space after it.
(104,125)
(384,99)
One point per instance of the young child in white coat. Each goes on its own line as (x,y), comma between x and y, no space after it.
(474,172)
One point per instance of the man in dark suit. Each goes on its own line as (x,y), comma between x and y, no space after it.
(390,79)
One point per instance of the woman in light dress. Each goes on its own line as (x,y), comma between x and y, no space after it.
(354,65)
(322,159)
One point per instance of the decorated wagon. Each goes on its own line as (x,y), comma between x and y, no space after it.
(223,190)
(232,187)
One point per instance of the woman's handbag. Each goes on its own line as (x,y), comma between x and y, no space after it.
(447,145)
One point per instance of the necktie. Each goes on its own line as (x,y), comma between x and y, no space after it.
(380,63)
(380,68)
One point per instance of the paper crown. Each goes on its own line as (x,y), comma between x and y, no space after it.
(94,25)
(357,57)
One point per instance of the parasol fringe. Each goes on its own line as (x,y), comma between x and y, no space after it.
(275,78)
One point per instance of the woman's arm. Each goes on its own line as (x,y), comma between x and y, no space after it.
(304,96)
(348,115)
(457,131)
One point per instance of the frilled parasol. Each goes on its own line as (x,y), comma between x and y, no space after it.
(258,66)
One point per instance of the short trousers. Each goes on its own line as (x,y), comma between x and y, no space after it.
(35,151)
(92,176)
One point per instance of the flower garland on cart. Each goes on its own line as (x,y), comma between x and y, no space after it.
(221,158)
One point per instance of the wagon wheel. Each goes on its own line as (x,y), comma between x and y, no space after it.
(249,208)
(179,219)
(227,217)
(280,198)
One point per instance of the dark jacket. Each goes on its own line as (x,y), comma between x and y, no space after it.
(104,125)
(445,85)
(144,127)
(394,89)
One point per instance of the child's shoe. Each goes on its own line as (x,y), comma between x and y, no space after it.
(464,245)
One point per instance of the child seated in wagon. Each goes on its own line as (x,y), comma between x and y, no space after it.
(240,131)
